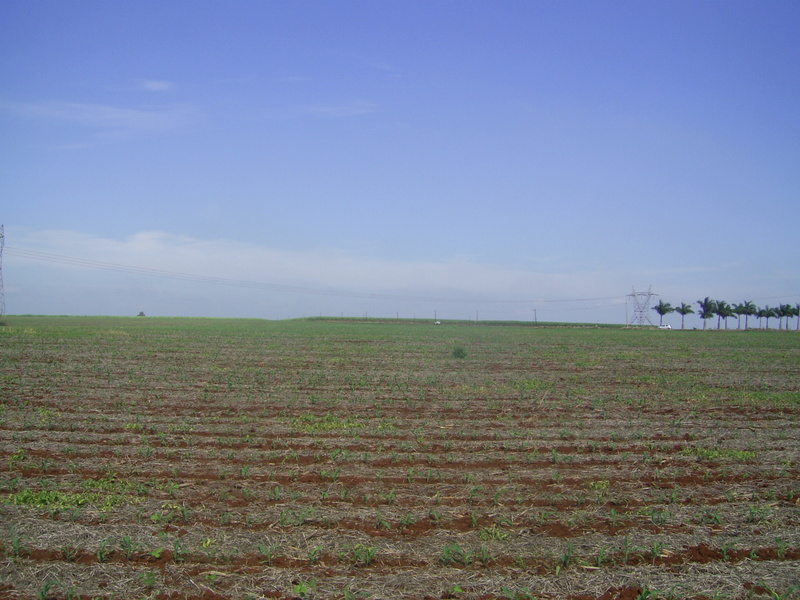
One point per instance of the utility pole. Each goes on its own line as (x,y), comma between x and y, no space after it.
(2,292)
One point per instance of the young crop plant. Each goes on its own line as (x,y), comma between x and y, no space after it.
(128,547)
(315,554)
(303,589)
(454,554)
(364,555)
(517,594)
(482,555)
(15,548)
(714,454)
(658,516)
(178,552)
(70,553)
(493,533)
(601,557)
(56,500)
(566,558)
(757,514)
(103,553)
(331,474)
(148,579)
(659,550)
(270,552)
(710,516)
(15,459)
(326,423)
(44,591)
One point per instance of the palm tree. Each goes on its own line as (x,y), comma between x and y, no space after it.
(767,313)
(746,308)
(771,313)
(683,310)
(784,310)
(663,308)
(708,308)
(724,310)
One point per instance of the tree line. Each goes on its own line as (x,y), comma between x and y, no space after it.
(708,308)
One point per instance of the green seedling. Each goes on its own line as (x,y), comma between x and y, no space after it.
(493,533)
(363,555)
(70,553)
(15,548)
(303,588)
(103,553)
(454,554)
(482,555)
(315,554)
(128,547)
(269,552)
(148,578)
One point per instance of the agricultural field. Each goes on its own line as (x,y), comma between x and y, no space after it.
(200,459)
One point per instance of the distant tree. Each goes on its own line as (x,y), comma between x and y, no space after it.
(767,313)
(784,310)
(683,310)
(746,308)
(795,310)
(772,313)
(797,314)
(737,309)
(663,308)
(707,309)
(724,311)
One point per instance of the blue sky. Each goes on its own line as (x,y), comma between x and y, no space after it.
(282,159)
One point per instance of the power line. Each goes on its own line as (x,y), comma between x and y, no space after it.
(96,264)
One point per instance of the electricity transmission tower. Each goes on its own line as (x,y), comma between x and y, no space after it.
(2,293)
(641,307)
